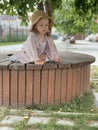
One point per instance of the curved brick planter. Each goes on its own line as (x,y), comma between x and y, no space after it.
(52,83)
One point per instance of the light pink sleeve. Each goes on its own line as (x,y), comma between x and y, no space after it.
(53,49)
(28,52)
(30,47)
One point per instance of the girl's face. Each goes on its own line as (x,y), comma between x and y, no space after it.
(42,26)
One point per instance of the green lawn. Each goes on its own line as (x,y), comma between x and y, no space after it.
(84,104)
(9,43)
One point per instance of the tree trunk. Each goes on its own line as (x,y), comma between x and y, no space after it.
(40,6)
(48,7)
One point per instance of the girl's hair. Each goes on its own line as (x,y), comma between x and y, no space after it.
(38,15)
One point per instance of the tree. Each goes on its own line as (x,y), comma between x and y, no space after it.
(85,7)
(22,7)
(69,21)
(82,10)
(72,18)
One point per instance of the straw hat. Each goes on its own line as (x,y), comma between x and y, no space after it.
(41,14)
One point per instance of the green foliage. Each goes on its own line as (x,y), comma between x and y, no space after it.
(19,7)
(73,19)
(56,4)
(94,27)
(85,7)
(22,7)
(71,16)
(68,20)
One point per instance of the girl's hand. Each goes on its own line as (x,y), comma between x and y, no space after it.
(39,62)
(58,60)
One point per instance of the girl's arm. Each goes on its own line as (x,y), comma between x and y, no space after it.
(54,51)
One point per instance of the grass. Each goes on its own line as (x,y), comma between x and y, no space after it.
(9,43)
(3,112)
(81,122)
(80,104)
(87,114)
(94,77)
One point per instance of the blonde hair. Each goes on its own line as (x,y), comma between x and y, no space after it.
(38,15)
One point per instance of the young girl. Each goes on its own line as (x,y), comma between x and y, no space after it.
(39,46)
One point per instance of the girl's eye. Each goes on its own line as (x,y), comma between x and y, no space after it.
(44,25)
